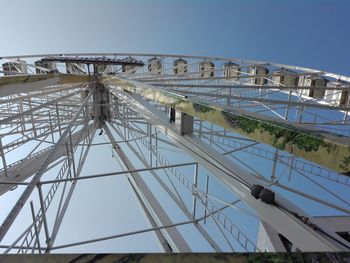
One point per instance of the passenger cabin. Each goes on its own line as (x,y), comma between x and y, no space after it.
(180,66)
(231,69)
(258,74)
(284,77)
(206,69)
(338,97)
(50,66)
(129,68)
(312,81)
(155,66)
(14,67)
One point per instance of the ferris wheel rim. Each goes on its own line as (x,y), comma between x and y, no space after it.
(220,58)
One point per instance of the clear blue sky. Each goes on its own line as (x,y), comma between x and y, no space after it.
(312,33)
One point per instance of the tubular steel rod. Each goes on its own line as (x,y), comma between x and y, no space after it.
(5,226)
(35,227)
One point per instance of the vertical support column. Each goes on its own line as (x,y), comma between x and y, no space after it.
(43,209)
(69,160)
(124,121)
(31,117)
(291,169)
(35,227)
(200,128)
(149,128)
(3,158)
(206,197)
(273,175)
(51,127)
(156,135)
(126,116)
(194,191)
(58,119)
(211,135)
(20,109)
(72,153)
(287,109)
(86,123)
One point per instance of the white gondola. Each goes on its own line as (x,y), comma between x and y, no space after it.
(284,77)
(180,66)
(231,69)
(338,97)
(131,69)
(258,74)
(14,67)
(50,66)
(312,81)
(206,69)
(155,66)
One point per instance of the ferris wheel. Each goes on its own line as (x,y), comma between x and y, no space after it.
(171,153)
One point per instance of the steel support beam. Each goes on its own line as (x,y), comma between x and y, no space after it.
(5,226)
(158,213)
(177,200)
(231,175)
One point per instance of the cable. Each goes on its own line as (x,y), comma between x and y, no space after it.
(315,227)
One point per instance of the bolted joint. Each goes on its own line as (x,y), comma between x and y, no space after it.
(256,190)
(265,195)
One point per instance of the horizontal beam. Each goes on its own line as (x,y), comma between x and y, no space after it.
(254,87)
(114,173)
(306,104)
(54,78)
(236,60)
(194,221)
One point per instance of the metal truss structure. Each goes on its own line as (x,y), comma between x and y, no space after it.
(207,146)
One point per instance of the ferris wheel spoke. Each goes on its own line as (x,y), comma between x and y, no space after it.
(65,171)
(161,159)
(153,205)
(47,159)
(175,197)
(154,115)
(62,207)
